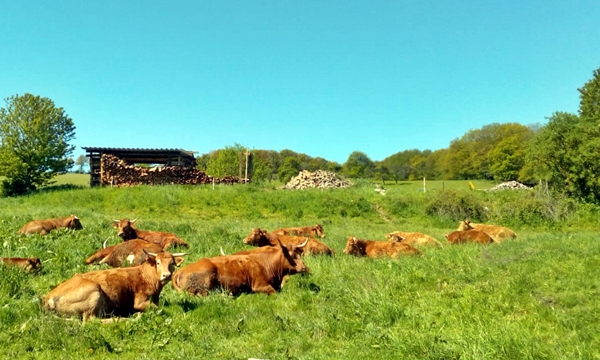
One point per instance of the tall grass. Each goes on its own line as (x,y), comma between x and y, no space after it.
(533,297)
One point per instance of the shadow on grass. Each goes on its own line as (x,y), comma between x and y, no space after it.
(62,187)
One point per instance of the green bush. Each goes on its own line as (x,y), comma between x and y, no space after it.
(456,205)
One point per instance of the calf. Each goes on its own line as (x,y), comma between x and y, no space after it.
(116,292)
(496,232)
(258,237)
(378,249)
(312,231)
(128,253)
(461,237)
(127,231)
(256,271)
(28,264)
(43,227)
(413,238)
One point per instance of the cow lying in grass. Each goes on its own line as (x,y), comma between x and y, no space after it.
(43,227)
(312,231)
(413,238)
(258,237)
(496,232)
(114,292)
(261,270)
(128,253)
(28,264)
(127,231)
(476,236)
(378,249)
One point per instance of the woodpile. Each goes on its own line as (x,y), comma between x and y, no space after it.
(509,185)
(320,179)
(117,172)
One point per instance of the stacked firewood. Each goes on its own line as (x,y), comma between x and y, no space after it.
(509,185)
(117,172)
(319,179)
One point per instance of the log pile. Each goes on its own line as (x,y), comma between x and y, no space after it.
(320,179)
(509,185)
(117,172)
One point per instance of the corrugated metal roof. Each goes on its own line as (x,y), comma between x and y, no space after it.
(146,150)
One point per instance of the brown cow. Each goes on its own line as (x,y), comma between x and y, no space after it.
(312,231)
(127,231)
(118,292)
(257,271)
(29,264)
(43,227)
(377,249)
(258,237)
(496,232)
(128,253)
(413,238)
(461,237)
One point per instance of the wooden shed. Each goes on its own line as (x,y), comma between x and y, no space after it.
(169,157)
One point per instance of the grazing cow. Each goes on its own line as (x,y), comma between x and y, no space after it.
(258,237)
(257,271)
(378,249)
(413,238)
(117,292)
(127,231)
(461,237)
(43,227)
(128,253)
(312,231)
(496,232)
(29,264)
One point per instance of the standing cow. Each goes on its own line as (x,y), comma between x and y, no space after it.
(256,271)
(117,292)
(378,249)
(127,231)
(43,227)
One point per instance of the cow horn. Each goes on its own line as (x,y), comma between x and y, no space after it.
(134,220)
(151,253)
(222,252)
(176,254)
(303,244)
(104,243)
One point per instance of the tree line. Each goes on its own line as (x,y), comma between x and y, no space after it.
(35,146)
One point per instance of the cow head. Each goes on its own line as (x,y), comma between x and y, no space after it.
(74,223)
(352,247)
(164,263)
(319,230)
(293,257)
(33,264)
(257,237)
(125,228)
(394,237)
(465,225)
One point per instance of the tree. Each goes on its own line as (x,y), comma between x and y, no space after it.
(34,142)
(289,169)
(358,165)
(81,161)
(225,162)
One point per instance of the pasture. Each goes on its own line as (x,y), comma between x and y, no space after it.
(530,298)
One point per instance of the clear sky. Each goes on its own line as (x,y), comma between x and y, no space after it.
(324,78)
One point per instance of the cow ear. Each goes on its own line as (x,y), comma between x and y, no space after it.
(115,223)
(178,260)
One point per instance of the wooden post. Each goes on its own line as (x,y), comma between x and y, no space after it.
(247,154)
(424,186)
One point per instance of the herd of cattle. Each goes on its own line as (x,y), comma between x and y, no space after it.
(142,266)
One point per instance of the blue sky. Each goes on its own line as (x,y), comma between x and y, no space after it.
(324,78)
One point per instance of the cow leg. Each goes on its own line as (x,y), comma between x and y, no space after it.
(263,287)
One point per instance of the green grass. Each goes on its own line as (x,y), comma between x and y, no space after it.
(531,298)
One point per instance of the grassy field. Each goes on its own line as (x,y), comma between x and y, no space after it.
(530,298)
